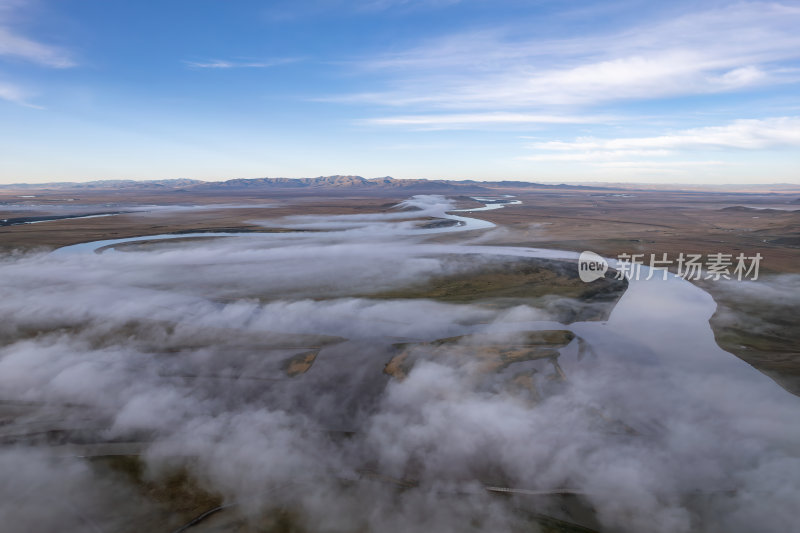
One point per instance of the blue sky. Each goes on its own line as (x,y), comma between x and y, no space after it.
(699,92)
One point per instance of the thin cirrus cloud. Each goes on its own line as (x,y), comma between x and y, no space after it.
(466,120)
(282,10)
(13,93)
(706,52)
(225,64)
(380,5)
(659,165)
(745,134)
(17,47)
(13,45)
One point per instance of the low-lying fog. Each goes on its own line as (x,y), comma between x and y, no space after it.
(179,353)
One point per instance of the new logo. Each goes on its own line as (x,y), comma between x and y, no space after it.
(591,266)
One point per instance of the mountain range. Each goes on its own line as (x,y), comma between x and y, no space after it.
(323,182)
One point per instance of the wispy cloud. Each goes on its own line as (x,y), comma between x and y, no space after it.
(381,5)
(15,94)
(282,10)
(637,153)
(470,120)
(595,155)
(225,64)
(17,46)
(746,134)
(658,165)
(713,51)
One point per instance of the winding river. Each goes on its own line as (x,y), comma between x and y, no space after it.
(704,422)
(656,323)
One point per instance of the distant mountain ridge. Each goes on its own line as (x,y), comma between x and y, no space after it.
(343,184)
(322,182)
(326,182)
(107,184)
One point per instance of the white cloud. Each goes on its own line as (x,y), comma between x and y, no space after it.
(15,94)
(465,120)
(11,93)
(595,155)
(130,349)
(281,10)
(381,5)
(223,64)
(15,46)
(745,134)
(710,51)
(655,165)
(20,47)
(678,155)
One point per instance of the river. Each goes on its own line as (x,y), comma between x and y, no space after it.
(657,322)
